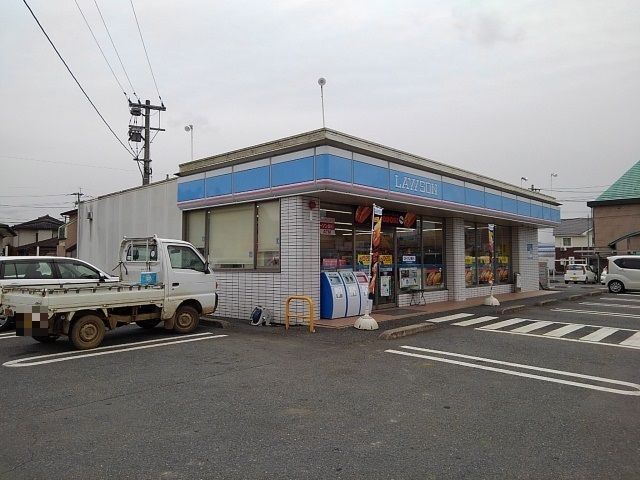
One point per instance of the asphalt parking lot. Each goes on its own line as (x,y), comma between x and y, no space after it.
(502,397)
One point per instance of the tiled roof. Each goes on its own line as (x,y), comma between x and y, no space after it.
(40,223)
(626,187)
(571,227)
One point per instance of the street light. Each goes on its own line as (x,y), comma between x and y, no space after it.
(551,181)
(322,82)
(522,180)
(189,128)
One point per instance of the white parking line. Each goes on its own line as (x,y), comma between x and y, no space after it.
(473,321)
(7,335)
(610,299)
(596,312)
(59,357)
(504,323)
(455,316)
(617,305)
(634,386)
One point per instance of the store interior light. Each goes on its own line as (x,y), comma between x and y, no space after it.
(335,211)
(343,223)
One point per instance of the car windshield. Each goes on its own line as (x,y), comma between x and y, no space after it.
(575,267)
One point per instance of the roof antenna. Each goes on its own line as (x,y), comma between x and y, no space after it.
(322,82)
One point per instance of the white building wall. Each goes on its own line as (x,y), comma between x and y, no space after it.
(454,259)
(240,291)
(140,212)
(525,256)
(580,241)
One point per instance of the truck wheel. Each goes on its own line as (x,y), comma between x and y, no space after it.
(186,320)
(46,338)
(148,324)
(87,332)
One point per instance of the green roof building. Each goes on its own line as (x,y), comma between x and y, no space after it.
(616,215)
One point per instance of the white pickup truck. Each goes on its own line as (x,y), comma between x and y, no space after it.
(161,281)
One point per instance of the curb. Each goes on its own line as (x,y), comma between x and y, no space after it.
(406,331)
(545,302)
(513,308)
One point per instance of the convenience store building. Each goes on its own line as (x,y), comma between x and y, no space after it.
(272,217)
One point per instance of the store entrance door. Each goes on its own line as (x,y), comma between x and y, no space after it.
(386,284)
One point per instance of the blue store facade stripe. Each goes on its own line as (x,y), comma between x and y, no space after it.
(192,190)
(252,179)
(218,185)
(292,171)
(333,167)
(370,175)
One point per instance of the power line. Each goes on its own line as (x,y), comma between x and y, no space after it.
(34,206)
(12,157)
(145,52)
(36,196)
(74,77)
(116,50)
(101,51)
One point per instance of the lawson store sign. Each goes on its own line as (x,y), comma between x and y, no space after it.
(329,168)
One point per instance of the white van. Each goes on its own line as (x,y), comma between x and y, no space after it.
(623,273)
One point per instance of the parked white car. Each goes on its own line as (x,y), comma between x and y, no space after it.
(30,271)
(623,273)
(579,273)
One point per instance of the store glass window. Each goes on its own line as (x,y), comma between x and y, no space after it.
(502,255)
(483,255)
(336,237)
(231,236)
(195,229)
(482,266)
(470,276)
(268,250)
(432,253)
(409,261)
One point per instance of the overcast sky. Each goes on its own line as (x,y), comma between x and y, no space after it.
(503,88)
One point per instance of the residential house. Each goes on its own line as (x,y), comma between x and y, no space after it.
(37,237)
(616,216)
(573,242)
(68,235)
(6,238)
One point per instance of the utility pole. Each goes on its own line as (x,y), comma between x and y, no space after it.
(135,133)
(78,194)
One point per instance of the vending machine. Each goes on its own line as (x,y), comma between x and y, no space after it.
(333,296)
(353,293)
(363,283)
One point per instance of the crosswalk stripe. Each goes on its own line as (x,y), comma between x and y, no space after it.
(531,327)
(474,321)
(562,331)
(455,316)
(504,323)
(599,334)
(633,340)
